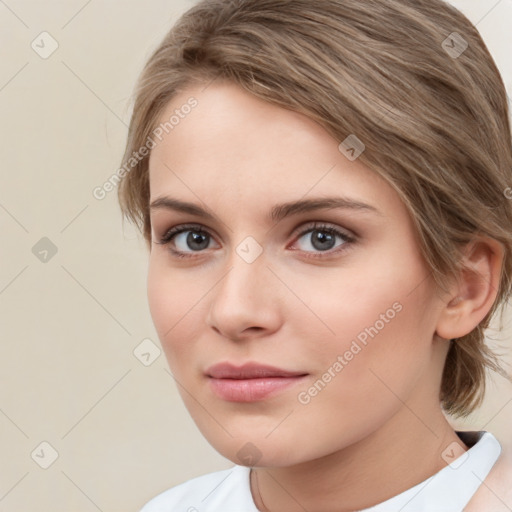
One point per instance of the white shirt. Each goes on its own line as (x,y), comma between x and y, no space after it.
(449,490)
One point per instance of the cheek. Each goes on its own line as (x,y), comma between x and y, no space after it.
(363,375)
(174,303)
(368,300)
(375,323)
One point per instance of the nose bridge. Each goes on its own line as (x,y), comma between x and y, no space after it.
(241,298)
(246,270)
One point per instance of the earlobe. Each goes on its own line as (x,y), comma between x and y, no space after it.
(474,293)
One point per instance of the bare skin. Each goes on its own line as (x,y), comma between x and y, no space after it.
(375,428)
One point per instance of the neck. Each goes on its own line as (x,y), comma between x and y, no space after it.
(400,454)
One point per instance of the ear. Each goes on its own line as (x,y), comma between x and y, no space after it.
(475,290)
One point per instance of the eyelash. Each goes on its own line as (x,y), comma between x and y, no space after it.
(167,238)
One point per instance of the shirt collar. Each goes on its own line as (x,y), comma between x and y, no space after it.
(451,488)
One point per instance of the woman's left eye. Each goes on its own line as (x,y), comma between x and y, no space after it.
(323,239)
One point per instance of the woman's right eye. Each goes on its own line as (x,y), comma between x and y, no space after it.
(184,237)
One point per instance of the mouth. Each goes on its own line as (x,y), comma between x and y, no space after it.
(250,382)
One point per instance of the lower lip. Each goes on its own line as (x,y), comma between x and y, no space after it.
(251,390)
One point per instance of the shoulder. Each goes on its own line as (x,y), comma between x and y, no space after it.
(495,492)
(226,488)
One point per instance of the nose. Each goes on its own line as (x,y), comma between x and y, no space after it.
(245,302)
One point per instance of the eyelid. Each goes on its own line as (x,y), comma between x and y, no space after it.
(309,226)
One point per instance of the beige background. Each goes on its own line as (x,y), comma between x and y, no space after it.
(70,325)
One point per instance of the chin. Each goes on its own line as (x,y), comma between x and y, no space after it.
(257,449)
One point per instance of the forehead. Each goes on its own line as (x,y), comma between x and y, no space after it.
(234,145)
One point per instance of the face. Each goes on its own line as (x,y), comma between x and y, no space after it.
(294,329)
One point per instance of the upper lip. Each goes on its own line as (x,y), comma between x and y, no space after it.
(249,370)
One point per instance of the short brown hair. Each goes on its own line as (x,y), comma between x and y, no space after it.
(413,80)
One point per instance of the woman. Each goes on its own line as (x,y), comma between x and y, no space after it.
(322,189)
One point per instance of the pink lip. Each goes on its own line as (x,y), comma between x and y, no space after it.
(250,382)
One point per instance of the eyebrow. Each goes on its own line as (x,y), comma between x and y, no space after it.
(277,213)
